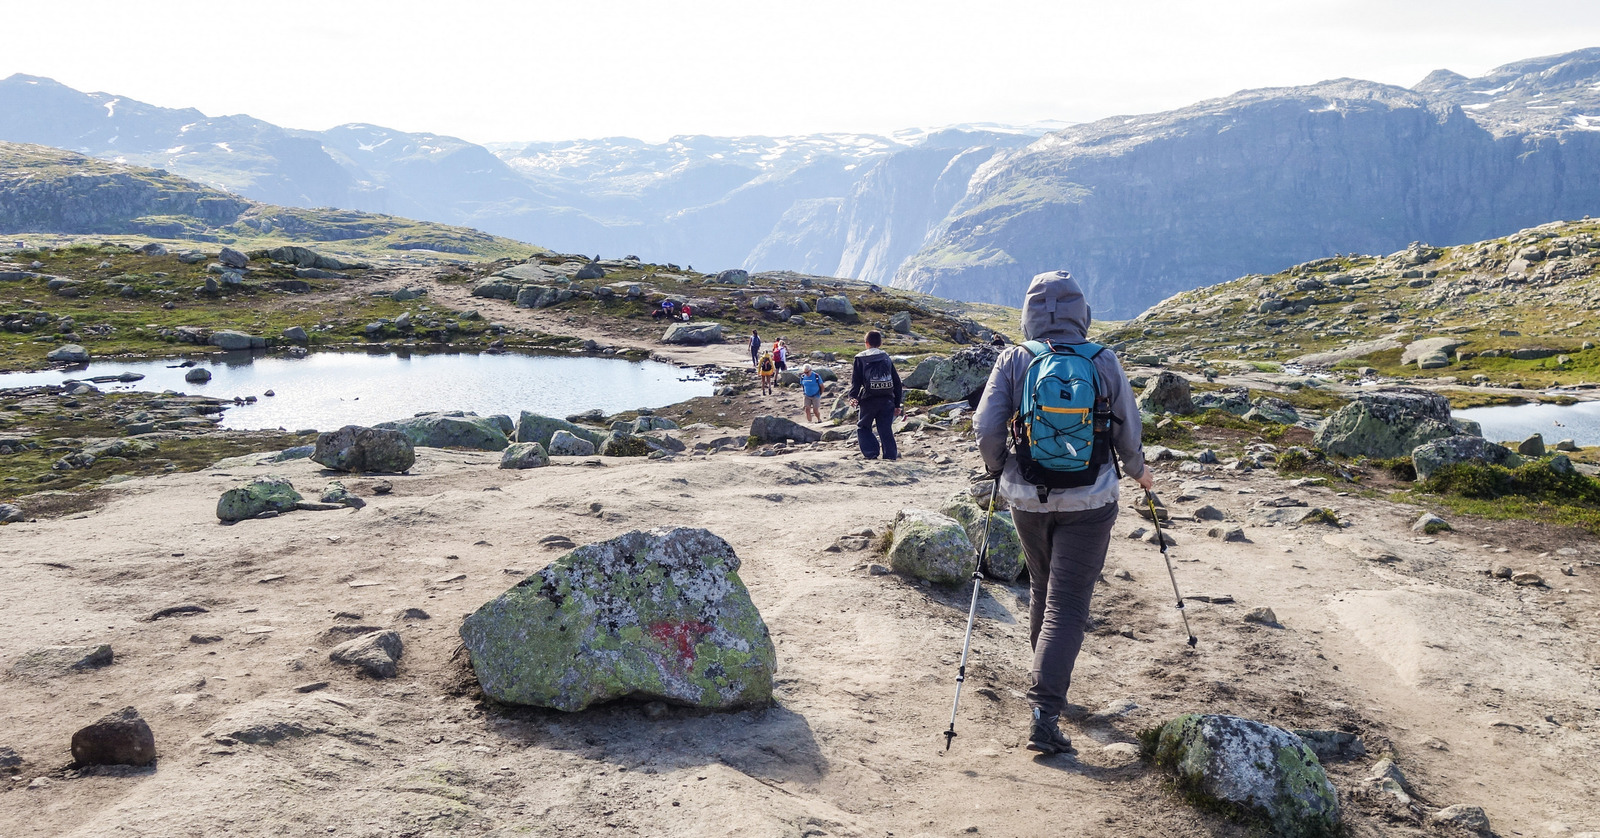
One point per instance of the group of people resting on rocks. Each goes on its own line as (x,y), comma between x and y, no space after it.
(672,311)
(1053,420)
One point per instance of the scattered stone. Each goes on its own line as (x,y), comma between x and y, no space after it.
(876,569)
(231,258)
(1387,778)
(837,307)
(232,341)
(1332,745)
(931,546)
(11,513)
(1209,513)
(174,610)
(564,444)
(1533,446)
(311,687)
(1294,516)
(1257,767)
(521,455)
(120,738)
(377,653)
(1430,524)
(1567,445)
(650,615)
(1228,534)
(1432,456)
(1470,818)
(900,322)
(1501,572)
(264,494)
(60,660)
(1527,579)
(1263,616)
(336,492)
(203,639)
(532,427)
(698,333)
(357,449)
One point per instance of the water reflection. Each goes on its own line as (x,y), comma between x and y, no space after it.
(326,390)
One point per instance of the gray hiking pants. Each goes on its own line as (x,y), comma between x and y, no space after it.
(1066,552)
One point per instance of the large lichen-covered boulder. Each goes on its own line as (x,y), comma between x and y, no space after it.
(355,448)
(931,546)
(452,429)
(779,429)
(838,307)
(1252,767)
(1387,423)
(1167,393)
(1235,400)
(1275,410)
(624,444)
(1005,560)
(1435,455)
(533,427)
(659,614)
(967,370)
(264,494)
(496,289)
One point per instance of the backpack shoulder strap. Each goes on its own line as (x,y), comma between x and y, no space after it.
(1037,347)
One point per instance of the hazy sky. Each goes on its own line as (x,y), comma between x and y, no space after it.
(490,70)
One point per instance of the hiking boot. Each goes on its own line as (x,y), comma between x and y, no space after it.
(1046,737)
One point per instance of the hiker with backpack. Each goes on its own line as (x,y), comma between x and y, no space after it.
(1055,415)
(875,388)
(755,348)
(767,369)
(811,387)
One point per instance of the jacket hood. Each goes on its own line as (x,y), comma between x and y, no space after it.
(1054,309)
(868,353)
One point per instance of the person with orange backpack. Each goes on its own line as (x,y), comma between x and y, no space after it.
(768,369)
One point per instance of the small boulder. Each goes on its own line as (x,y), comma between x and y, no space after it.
(1533,446)
(564,444)
(624,444)
(377,653)
(533,427)
(1274,410)
(198,375)
(1430,523)
(1167,393)
(1249,766)
(900,322)
(931,546)
(734,276)
(1470,818)
(358,449)
(590,271)
(1432,456)
(1332,745)
(659,614)
(231,258)
(1567,445)
(70,353)
(264,494)
(838,307)
(1209,513)
(1228,534)
(1005,560)
(778,429)
(10,513)
(295,334)
(520,455)
(120,738)
(919,377)
(698,333)
(1263,616)
(336,492)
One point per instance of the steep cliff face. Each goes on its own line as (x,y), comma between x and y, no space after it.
(1142,207)
(46,190)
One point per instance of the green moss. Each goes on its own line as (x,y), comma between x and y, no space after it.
(1533,491)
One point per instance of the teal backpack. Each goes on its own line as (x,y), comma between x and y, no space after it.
(1062,429)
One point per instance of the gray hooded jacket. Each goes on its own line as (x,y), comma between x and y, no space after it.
(1055,310)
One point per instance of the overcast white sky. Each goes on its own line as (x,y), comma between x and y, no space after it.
(489,70)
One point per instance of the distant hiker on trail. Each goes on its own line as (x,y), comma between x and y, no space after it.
(1060,478)
(755,347)
(767,370)
(875,388)
(811,386)
(780,354)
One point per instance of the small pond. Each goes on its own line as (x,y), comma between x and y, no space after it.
(327,390)
(1579,422)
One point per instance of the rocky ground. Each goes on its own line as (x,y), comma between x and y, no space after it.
(1468,656)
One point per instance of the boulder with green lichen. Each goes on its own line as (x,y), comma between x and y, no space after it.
(1249,769)
(659,615)
(264,494)
(931,546)
(1005,560)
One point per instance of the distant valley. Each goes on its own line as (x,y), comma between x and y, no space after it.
(1138,207)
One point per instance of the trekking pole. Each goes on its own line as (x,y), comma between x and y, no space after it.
(972,613)
(1155,518)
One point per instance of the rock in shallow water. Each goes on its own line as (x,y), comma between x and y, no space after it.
(659,614)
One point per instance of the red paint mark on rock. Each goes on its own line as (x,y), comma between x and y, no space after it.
(682,634)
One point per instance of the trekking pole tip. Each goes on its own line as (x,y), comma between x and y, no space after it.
(949,736)
(1192,641)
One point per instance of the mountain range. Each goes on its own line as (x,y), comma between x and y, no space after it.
(1139,207)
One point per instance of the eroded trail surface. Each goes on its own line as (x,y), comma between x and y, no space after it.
(1485,691)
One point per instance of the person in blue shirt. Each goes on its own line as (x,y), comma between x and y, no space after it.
(811,386)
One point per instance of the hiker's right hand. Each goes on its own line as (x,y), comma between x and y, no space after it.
(1147,481)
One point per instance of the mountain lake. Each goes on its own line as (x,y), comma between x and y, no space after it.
(327,390)
(1578,422)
